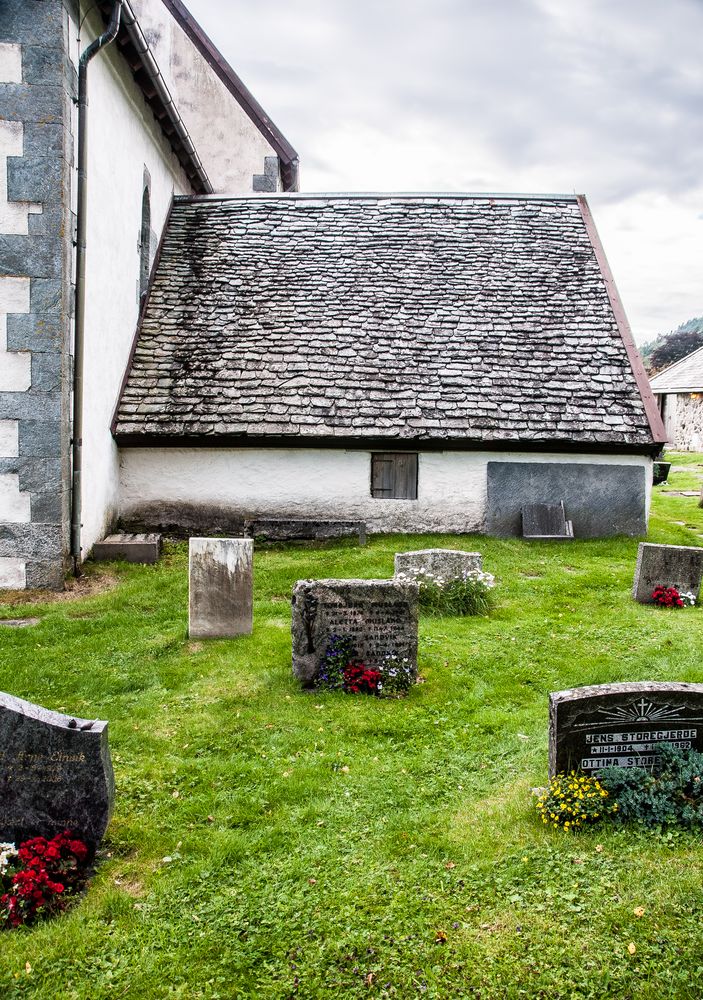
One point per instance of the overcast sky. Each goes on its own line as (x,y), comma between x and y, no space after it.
(601,97)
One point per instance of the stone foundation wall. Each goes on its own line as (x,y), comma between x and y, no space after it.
(683,420)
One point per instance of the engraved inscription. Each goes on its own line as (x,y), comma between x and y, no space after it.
(623,725)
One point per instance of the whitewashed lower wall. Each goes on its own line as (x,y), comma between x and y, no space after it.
(123,139)
(323,483)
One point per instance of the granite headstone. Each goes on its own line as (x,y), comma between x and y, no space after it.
(621,725)
(55,773)
(380,616)
(220,587)
(445,564)
(679,566)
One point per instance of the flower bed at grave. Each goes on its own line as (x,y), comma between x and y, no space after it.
(670,597)
(669,795)
(341,670)
(468,594)
(40,877)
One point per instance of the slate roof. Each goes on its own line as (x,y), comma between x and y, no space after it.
(468,319)
(685,375)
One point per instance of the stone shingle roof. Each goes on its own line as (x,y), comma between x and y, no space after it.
(685,375)
(466,318)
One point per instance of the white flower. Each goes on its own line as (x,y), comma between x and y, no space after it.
(7,853)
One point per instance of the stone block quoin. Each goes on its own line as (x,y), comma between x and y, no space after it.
(37,83)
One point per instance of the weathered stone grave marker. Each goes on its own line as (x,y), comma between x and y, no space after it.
(621,725)
(546,520)
(220,587)
(679,566)
(379,615)
(447,564)
(55,774)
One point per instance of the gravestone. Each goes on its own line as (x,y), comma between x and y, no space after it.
(220,587)
(545,520)
(55,774)
(679,566)
(380,616)
(134,548)
(447,564)
(621,725)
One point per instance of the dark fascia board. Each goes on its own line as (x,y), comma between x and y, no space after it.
(650,404)
(287,155)
(155,440)
(135,51)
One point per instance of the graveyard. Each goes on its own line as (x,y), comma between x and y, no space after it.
(272,841)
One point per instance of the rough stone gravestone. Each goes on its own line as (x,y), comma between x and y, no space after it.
(55,774)
(447,564)
(379,615)
(621,725)
(679,566)
(545,520)
(220,587)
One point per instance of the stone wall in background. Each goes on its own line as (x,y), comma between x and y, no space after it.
(36,154)
(683,420)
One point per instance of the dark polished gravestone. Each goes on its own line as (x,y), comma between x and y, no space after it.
(380,616)
(55,774)
(679,566)
(621,725)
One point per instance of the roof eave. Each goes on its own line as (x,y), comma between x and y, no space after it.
(241,93)
(150,439)
(135,49)
(656,425)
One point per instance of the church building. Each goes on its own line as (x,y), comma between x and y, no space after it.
(187,342)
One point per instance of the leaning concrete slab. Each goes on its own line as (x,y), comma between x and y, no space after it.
(130,548)
(220,587)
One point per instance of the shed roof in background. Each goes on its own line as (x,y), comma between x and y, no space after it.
(685,375)
(457,319)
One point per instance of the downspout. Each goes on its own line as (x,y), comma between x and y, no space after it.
(79,335)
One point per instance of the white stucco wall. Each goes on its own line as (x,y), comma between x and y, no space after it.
(321,483)
(123,139)
(230,145)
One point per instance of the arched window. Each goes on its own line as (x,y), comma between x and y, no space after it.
(145,244)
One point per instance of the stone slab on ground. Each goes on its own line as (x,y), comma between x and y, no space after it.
(447,564)
(621,725)
(679,566)
(290,529)
(134,548)
(55,773)
(220,587)
(379,615)
(545,520)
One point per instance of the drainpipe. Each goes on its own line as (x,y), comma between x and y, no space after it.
(79,335)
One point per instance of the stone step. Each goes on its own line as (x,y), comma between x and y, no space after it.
(129,547)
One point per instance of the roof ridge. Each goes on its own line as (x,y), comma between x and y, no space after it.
(381,195)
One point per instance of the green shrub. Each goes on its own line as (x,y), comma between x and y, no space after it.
(671,794)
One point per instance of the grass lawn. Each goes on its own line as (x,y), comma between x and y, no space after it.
(274,843)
